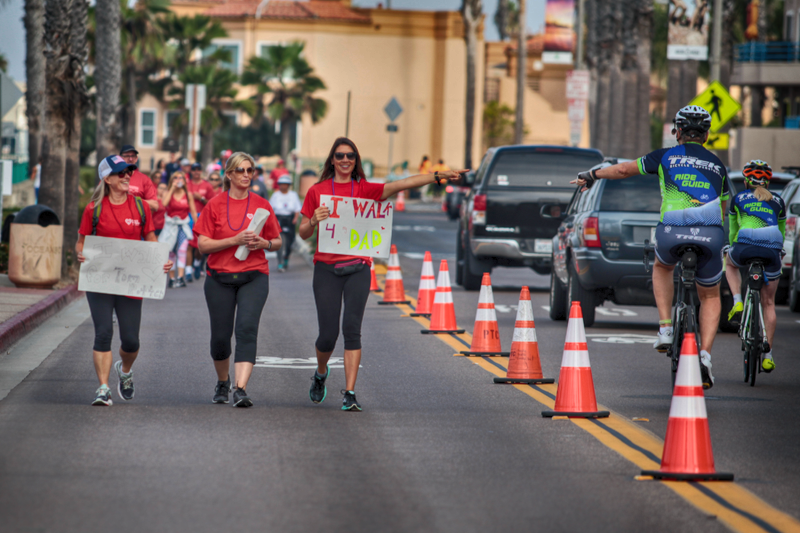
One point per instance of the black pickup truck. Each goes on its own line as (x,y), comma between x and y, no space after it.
(513,211)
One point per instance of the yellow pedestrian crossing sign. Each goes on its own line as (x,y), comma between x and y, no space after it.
(719,103)
(718,141)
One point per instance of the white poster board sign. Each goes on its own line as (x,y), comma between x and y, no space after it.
(356,226)
(124,267)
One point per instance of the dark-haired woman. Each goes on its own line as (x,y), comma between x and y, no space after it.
(342,175)
(235,287)
(120,218)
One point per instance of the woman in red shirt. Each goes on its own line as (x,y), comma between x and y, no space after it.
(120,219)
(342,175)
(160,213)
(236,287)
(181,214)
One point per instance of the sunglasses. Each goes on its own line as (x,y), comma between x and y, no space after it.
(351,156)
(249,170)
(213,179)
(126,172)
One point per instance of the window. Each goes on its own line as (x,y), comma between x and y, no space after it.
(230,118)
(639,194)
(233,48)
(169,120)
(540,168)
(147,127)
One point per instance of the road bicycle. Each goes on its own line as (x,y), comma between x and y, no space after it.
(684,312)
(751,327)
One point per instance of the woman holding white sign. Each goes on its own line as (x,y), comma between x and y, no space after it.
(114,213)
(236,225)
(345,278)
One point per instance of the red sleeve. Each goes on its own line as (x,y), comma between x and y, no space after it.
(271,229)
(311,203)
(373,191)
(205,222)
(86,220)
(149,191)
(209,193)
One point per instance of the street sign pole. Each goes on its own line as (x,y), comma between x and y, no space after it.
(393,110)
(391,145)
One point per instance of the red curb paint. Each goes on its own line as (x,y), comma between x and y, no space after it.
(25,322)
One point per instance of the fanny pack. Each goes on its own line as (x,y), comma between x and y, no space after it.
(345,268)
(233,278)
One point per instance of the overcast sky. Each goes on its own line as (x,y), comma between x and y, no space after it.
(12,31)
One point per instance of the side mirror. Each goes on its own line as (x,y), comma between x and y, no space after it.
(551,211)
(794,209)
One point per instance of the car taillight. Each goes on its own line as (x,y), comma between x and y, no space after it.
(479,209)
(791,227)
(591,233)
(449,189)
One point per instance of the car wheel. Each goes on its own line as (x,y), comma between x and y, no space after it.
(725,325)
(576,293)
(558,298)
(794,289)
(471,282)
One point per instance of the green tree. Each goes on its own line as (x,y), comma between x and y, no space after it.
(185,35)
(3,63)
(285,86)
(498,125)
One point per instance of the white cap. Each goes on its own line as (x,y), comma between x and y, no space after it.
(286,178)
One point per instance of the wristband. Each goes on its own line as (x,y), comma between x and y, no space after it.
(593,172)
(269,245)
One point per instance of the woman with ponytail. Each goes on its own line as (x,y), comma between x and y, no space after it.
(757,220)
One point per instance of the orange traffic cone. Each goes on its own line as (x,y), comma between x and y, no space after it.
(575,396)
(393,291)
(401,202)
(443,317)
(427,288)
(524,365)
(373,284)
(486,334)
(687,447)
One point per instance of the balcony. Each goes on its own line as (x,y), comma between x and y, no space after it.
(786,52)
(767,64)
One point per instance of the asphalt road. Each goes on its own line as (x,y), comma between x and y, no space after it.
(438,447)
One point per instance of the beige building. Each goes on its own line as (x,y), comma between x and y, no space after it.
(418,57)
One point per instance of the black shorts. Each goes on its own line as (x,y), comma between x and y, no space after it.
(709,239)
(740,253)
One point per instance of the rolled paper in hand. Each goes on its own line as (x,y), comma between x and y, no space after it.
(256,225)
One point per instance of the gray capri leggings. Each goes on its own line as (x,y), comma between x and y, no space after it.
(129,317)
(329,292)
(244,302)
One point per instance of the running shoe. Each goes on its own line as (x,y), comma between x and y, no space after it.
(767,363)
(349,402)
(179,283)
(705,369)
(125,387)
(102,396)
(241,399)
(737,309)
(222,391)
(197,273)
(188,279)
(318,391)
(170,283)
(663,342)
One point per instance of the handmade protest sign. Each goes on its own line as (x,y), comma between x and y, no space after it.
(356,226)
(124,267)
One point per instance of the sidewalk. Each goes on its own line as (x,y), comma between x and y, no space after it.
(23,310)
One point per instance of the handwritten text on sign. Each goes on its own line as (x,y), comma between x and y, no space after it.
(356,226)
(124,267)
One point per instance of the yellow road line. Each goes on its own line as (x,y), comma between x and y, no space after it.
(735,506)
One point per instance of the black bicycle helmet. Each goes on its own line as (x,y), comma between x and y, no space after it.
(757,172)
(691,118)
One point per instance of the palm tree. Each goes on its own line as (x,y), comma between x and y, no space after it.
(471,12)
(107,75)
(501,17)
(221,95)
(34,74)
(188,34)
(285,85)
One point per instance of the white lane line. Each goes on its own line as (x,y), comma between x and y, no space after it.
(621,338)
(309,363)
(615,312)
(414,255)
(546,308)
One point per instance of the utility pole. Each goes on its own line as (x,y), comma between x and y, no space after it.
(522,74)
(579,60)
(716,42)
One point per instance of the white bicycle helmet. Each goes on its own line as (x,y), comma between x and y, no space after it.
(691,118)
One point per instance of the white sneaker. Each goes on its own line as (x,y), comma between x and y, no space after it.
(705,369)
(664,341)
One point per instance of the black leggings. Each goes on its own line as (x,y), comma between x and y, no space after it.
(285,250)
(329,290)
(245,302)
(129,317)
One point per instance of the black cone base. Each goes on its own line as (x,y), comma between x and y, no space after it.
(588,414)
(426,315)
(486,354)
(394,303)
(432,332)
(524,381)
(714,476)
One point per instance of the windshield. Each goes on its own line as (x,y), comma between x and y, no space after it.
(639,194)
(540,169)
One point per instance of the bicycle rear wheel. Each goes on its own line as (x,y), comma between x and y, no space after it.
(754,338)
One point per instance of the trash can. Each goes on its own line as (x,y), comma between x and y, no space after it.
(34,252)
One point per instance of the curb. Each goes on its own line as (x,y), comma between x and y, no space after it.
(25,322)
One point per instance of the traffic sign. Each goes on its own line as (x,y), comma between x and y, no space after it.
(718,141)
(578,84)
(717,100)
(391,128)
(393,109)
(9,94)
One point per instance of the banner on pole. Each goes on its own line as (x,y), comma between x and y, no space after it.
(124,267)
(559,33)
(688,30)
(356,226)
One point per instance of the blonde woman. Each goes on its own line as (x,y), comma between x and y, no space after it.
(180,216)
(236,291)
(113,212)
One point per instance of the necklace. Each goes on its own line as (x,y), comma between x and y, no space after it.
(333,191)
(121,228)
(244,217)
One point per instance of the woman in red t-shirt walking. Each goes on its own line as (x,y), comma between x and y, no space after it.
(342,175)
(177,231)
(120,219)
(236,286)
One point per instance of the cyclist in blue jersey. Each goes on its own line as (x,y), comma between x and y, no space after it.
(757,230)
(694,192)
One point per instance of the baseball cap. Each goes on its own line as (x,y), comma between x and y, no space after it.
(185,162)
(112,164)
(287,179)
(197,166)
(128,148)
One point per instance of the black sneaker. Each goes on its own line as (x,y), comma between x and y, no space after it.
(241,399)
(222,391)
(318,391)
(179,283)
(170,283)
(349,402)
(125,387)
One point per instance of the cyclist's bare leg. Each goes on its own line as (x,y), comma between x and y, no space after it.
(768,307)
(663,288)
(710,308)
(734,276)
